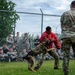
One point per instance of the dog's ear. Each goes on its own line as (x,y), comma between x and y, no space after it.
(47,41)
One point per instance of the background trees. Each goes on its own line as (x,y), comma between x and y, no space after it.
(7,19)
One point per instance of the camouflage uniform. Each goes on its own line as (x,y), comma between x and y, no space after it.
(56,58)
(53,54)
(68,36)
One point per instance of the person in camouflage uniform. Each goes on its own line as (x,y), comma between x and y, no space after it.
(68,35)
(41,48)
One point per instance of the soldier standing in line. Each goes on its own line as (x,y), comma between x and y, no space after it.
(68,35)
(17,41)
(26,42)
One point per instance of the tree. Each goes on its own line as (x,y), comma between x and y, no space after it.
(7,19)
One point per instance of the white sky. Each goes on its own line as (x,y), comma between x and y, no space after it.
(32,23)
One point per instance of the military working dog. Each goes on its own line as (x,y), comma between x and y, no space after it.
(41,48)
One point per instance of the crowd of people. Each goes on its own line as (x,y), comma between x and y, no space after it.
(15,49)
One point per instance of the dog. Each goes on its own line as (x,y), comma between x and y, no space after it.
(41,48)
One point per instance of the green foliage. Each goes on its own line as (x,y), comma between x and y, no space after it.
(7,19)
(20,68)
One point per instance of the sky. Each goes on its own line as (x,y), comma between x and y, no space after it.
(32,23)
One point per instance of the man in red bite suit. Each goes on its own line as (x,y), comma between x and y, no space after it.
(48,34)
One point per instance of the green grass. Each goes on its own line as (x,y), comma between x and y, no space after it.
(20,68)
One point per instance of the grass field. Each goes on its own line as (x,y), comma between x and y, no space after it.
(20,68)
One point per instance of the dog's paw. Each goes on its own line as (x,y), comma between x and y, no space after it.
(31,69)
(35,68)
